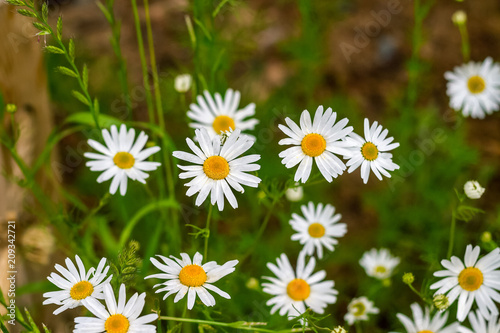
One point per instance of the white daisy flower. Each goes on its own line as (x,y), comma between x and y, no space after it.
(76,285)
(423,323)
(379,263)
(318,140)
(293,291)
(471,280)
(479,324)
(474,88)
(116,317)
(359,309)
(218,116)
(121,158)
(318,228)
(218,167)
(191,277)
(370,152)
(473,189)
(182,83)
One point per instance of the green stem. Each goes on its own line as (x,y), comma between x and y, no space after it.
(465,42)
(207,235)
(358,327)
(452,235)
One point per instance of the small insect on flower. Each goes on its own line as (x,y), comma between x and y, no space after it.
(359,309)
(77,285)
(474,88)
(293,291)
(318,228)
(221,115)
(318,140)
(479,324)
(182,83)
(121,158)
(371,152)
(116,317)
(423,323)
(379,264)
(471,280)
(218,167)
(191,277)
(473,189)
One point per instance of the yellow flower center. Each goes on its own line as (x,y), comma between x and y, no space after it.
(222,124)
(313,144)
(316,230)
(81,290)
(425,331)
(124,160)
(476,84)
(216,167)
(380,269)
(369,151)
(116,323)
(192,276)
(298,290)
(470,278)
(358,309)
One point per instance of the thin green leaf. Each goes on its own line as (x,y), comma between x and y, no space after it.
(85,118)
(26,12)
(15,2)
(72,49)
(2,326)
(53,49)
(45,329)
(105,11)
(59,27)
(32,323)
(96,106)
(79,96)
(85,76)
(41,27)
(45,11)
(203,28)
(67,71)
(219,7)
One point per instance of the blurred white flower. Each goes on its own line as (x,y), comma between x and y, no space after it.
(479,324)
(359,309)
(294,194)
(474,88)
(379,263)
(183,83)
(184,276)
(473,190)
(422,322)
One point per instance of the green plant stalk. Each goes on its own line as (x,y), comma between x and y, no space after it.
(452,235)
(358,327)
(465,42)
(207,228)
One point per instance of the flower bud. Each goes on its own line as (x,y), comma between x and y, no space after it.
(11,108)
(295,193)
(183,83)
(339,329)
(473,190)
(441,302)
(459,17)
(408,278)
(486,237)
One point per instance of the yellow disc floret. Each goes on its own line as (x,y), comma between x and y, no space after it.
(316,230)
(470,278)
(124,160)
(313,144)
(476,84)
(216,167)
(298,290)
(81,290)
(425,331)
(369,151)
(380,269)
(117,323)
(193,276)
(358,309)
(222,124)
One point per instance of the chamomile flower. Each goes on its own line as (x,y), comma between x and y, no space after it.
(121,158)
(479,324)
(116,317)
(370,152)
(293,291)
(77,285)
(379,263)
(318,228)
(359,309)
(318,140)
(217,167)
(473,190)
(423,323)
(218,116)
(471,280)
(474,88)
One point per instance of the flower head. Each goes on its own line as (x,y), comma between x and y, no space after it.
(480,325)
(441,302)
(318,140)
(116,317)
(371,152)
(77,285)
(423,323)
(218,167)
(474,88)
(379,263)
(471,280)
(184,276)
(182,83)
(473,189)
(121,158)
(318,228)
(293,291)
(359,309)
(218,116)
